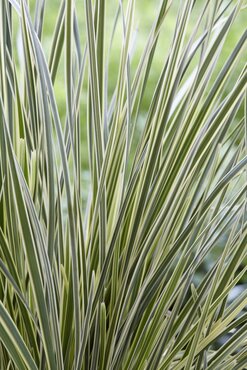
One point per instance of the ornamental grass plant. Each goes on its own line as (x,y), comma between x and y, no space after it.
(135,267)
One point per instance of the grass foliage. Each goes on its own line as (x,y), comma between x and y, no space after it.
(118,283)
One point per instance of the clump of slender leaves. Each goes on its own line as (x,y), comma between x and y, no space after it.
(119,281)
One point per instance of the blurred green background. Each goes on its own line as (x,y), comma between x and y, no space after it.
(145,13)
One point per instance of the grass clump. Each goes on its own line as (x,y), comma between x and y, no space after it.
(110,273)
